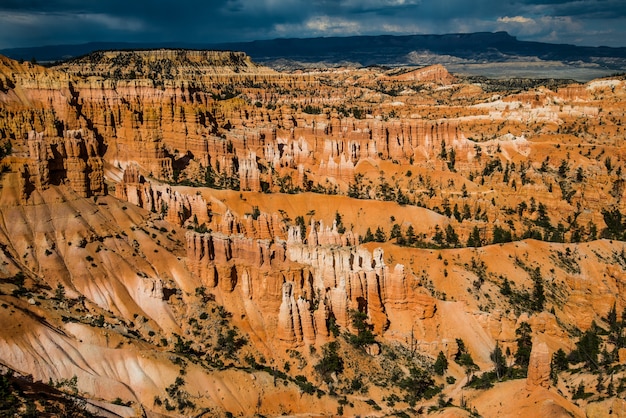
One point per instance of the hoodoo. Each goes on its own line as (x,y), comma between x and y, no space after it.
(191,233)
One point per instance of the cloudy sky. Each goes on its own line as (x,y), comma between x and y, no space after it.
(49,22)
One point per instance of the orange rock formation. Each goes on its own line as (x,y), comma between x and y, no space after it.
(183,229)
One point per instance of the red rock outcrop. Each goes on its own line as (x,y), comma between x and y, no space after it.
(174,206)
(539,367)
(218,120)
(73,159)
(336,279)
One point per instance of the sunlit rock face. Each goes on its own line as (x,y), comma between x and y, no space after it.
(188,231)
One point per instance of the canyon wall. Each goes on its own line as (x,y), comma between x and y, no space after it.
(204,154)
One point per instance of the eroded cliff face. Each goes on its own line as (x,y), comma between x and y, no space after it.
(219,120)
(260,223)
(328,277)
(41,162)
(305,284)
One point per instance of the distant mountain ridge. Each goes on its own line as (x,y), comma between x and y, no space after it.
(480,47)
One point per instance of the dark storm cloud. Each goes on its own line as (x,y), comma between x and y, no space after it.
(584,9)
(39,22)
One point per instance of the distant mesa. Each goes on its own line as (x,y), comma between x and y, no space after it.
(161,64)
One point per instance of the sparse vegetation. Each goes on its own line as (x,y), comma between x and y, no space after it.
(330,363)
(441,179)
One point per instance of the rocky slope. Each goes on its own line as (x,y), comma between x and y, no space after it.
(189,232)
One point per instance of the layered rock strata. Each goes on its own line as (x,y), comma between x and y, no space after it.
(73,159)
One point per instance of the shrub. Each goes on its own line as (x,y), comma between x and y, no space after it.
(230,343)
(587,349)
(499,362)
(524,344)
(559,361)
(59,293)
(418,385)
(580,392)
(364,330)
(441,364)
(474,240)
(330,362)
(304,384)
(312,110)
